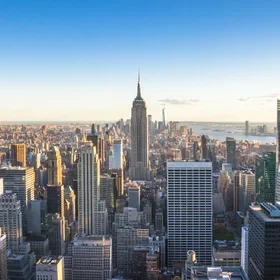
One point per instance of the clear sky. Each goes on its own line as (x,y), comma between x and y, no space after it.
(206,60)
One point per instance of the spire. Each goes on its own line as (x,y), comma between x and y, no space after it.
(139,97)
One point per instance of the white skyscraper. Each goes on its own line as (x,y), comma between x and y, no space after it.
(189,210)
(244,249)
(91,212)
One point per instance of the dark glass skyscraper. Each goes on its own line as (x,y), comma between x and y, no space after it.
(231,151)
(264,242)
(265,178)
(204,147)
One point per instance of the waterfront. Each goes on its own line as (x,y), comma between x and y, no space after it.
(222,130)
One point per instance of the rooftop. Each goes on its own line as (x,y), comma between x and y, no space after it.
(218,273)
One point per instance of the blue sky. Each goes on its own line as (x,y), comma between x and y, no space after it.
(206,60)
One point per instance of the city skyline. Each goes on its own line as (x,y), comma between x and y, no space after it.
(219,58)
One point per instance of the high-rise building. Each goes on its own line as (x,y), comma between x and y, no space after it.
(11,221)
(150,125)
(277,187)
(244,249)
(55,199)
(69,204)
(164,122)
(204,147)
(54,167)
(247,190)
(107,192)
(18,155)
(21,182)
(37,210)
(189,210)
(264,242)
(247,128)
(231,151)
(89,258)
(190,194)
(134,196)
(56,233)
(90,214)
(265,177)
(139,167)
(236,193)
(127,239)
(50,268)
(116,159)
(3,256)
(36,161)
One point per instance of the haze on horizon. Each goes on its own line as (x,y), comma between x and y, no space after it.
(77,60)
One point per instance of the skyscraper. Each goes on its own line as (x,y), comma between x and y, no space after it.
(231,151)
(164,118)
(90,212)
(21,182)
(264,242)
(204,147)
(247,190)
(18,155)
(3,256)
(116,159)
(189,210)
(244,249)
(139,162)
(277,187)
(265,177)
(11,220)
(247,127)
(55,199)
(54,167)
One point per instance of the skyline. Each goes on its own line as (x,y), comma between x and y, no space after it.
(205,60)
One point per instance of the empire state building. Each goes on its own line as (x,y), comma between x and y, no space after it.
(139,163)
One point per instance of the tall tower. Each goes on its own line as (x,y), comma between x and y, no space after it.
(164,118)
(189,210)
(11,220)
(139,163)
(277,187)
(91,212)
(21,182)
(204,148)
(54,167)
(231,151)
(19,155)
(264,241)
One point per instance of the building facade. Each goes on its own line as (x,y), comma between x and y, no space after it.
(264,242)
(189,210)
(18,155)
(139,167)
(21,182)
(265,177)
(50,268)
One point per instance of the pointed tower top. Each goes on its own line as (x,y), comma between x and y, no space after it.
(138,97)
